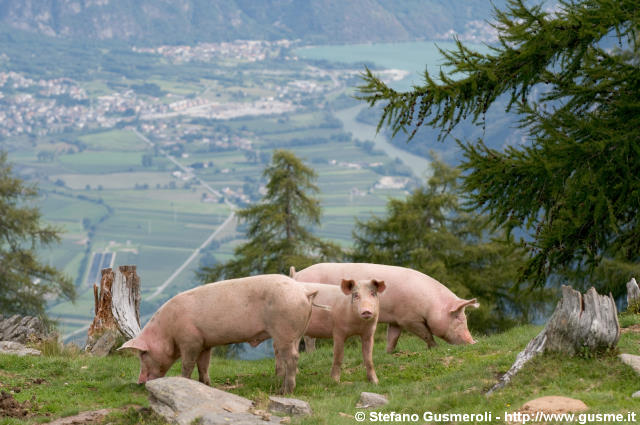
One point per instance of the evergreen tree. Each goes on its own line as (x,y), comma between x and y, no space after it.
(25,282)
(430,231)
(574,186)
(277,232)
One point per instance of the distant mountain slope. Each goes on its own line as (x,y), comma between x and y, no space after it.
(186,21)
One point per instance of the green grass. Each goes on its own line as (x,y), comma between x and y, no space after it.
(102,162)
(114,140)
(446,379)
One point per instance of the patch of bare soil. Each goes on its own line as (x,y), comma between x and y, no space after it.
(84,418)
(403,353)
(550,405)
(12,408)
(631,329)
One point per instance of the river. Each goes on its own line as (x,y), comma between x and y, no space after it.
(420,167)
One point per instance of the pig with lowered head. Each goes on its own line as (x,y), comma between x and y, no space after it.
(413,301)
(353,310)
(249,309)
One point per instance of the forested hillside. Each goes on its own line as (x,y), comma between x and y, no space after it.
(187,21)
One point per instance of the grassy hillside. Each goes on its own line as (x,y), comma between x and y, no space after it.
(447,379)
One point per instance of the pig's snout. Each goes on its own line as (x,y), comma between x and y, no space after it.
(366,314)
(144,377)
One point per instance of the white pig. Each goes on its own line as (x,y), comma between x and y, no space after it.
(412,301)
(249,309)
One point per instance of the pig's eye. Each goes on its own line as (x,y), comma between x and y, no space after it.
(374,293)
(356,296)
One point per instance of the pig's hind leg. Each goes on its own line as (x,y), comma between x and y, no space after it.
(287,359)
(338,353)
(279,363)
(203,366)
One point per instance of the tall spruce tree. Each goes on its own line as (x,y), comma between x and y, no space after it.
(573,76)
(431,232)
(277,227)
(25,282)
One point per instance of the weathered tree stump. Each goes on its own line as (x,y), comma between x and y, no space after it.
(579,323)
(633,292)
(117,310)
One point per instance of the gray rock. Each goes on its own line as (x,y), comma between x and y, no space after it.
(22,329)
(12,347)
(371,400)
(290,406)
(181,401)
(105,344)
(636,394)
(631,360)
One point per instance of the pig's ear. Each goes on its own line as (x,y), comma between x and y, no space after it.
(379,284)
(460,306)
(347,286)
(135,344)
(292,272)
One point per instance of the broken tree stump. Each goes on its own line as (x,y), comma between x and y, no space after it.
(633,292)
(117,310)
(579,323)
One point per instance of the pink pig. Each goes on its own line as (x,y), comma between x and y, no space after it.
(250,309)
(354,308)
(412,301)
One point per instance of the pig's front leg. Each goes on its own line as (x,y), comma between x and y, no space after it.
(367,356)
(393,333)
(189,357)
(422,330)
(203,366)
(338,352)
(309,344)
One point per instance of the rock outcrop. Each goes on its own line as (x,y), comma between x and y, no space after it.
(22,329)
(289,406)
(181,401)
(371,400)
(15,348)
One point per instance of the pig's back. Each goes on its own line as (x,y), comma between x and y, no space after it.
(236,309)
(405,288)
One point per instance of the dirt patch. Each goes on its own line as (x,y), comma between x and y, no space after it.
(404,353)
(551,405)
(631,329)
(84,418)
(12,408)
(229,386)
(450,360)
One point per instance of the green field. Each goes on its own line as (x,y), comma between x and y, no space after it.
(108,190)
(120,140)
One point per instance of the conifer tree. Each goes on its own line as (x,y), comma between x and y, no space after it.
(573,76)
(431,232)
(277,227)
(25,282)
